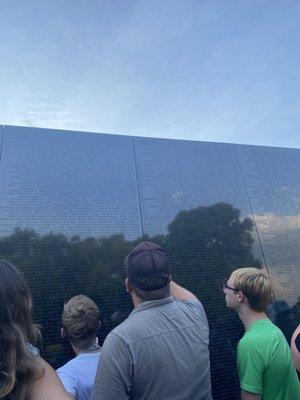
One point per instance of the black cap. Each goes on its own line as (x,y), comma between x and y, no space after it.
(146,261)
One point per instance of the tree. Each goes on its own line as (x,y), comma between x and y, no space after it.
(203,246)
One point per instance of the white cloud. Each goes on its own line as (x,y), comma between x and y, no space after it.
(270,223)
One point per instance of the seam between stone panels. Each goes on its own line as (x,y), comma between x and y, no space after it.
(2,140)
(256,229)
(138,187)
(250,206)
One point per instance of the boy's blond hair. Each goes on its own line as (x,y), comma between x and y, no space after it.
(255,284)
(80,320)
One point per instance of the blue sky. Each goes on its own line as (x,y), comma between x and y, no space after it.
(223,70)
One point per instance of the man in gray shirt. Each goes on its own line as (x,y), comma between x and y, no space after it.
(161,350)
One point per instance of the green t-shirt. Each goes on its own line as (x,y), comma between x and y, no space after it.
(264,363)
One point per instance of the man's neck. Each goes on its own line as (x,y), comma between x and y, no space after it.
(77,350)
(248,316)
(135,300)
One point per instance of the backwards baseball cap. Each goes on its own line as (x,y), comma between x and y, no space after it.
(146,262)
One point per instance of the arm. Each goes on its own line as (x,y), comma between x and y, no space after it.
(295,352)
(249,396)
(179,293)
(48,386)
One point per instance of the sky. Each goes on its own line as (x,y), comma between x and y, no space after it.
(216,70)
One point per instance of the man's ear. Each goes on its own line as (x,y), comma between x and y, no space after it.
(241,296)
(63,333)
(128,286)
(99,325)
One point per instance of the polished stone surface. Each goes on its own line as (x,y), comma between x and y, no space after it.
(72,205)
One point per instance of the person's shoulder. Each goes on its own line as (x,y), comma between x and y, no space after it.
(118,336)
(191,307)
(68,367)
(134,320)
(122,328)
(191,313)
(47,385)
(76,363)
(192,304)
(134,324)
(267,332)
(261,334)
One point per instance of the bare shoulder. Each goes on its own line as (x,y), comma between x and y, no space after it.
(47,386)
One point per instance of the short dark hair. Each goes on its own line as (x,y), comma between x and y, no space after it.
(80,320)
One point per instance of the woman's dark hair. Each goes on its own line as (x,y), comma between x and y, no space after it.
(18,366)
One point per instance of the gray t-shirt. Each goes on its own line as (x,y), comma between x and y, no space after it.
(159,352)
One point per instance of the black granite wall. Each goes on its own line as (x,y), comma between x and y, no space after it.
(72,205)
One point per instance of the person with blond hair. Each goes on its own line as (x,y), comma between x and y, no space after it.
(80,325)
(263,356)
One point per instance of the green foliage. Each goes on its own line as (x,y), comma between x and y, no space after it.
(203,245)
(206,244)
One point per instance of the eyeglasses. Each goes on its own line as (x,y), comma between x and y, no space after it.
(225,286)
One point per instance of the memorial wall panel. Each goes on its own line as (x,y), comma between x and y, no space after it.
(72,205)
(68,214)
(272,178)
(194,203)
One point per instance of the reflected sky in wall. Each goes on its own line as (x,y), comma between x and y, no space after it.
(100,185)
(68,183)
(204,203)
(272,178)
(180,175)
(95,184)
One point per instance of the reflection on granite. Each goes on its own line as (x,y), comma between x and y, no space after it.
(72,205)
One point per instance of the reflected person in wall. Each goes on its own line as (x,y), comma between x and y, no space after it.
(161,350)
(295,346)
(263,355)
(23,373)
(80,324)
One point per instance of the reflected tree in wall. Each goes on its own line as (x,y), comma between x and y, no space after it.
(203,246)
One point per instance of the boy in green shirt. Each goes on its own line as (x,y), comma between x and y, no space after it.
(263,356)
